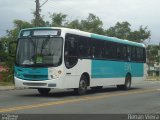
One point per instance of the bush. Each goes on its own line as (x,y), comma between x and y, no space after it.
(7,73)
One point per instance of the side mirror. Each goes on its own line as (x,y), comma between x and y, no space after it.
(12,48)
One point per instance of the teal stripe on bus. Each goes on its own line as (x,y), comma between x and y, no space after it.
(116,40)
(36,74)
(115,69)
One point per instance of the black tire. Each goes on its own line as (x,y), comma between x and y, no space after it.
(44,91)
(127,84)
(82,86)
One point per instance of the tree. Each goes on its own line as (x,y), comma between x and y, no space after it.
(123,31)
(2,49)
(40,20)
(92,24)
(140,35)
(6,75)
(1,46)
(153,54)
(58,19)
(75,24)
(12,34)
(120,30)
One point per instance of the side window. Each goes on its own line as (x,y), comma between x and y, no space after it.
(70,52)
(144,55)
(124,53)
(119,52)
(133,53)
(106,50)
(110,50)
(97,47)
(113,50)
(83,47)
(140,54)
(129,53)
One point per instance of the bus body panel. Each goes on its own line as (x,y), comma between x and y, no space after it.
(106,72)
(73,75)
(31,73)
(101,72)
(48,77)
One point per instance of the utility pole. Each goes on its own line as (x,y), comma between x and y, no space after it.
(159,59)
(37,13)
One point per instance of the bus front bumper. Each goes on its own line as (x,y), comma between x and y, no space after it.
(54,83)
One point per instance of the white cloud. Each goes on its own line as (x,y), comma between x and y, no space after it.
(136,12)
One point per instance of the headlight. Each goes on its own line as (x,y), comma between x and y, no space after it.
(53,73)
(17,74)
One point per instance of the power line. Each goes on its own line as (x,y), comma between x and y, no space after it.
(59,8)
(51,4)
(44,3)
(68,11)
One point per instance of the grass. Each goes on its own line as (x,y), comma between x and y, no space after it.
(6,83)
(153,78)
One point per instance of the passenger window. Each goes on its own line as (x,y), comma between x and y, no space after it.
(133,53)
(97,47)
(84,49)
(71,57)
(129,53)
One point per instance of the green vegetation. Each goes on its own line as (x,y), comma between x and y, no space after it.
(153,78)
(91,24)
(153,54)
(6,84)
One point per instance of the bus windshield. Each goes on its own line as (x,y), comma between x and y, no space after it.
(39,51)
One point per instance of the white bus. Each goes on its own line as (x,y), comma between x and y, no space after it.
(61,58)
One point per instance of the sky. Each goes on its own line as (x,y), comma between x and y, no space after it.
(136,12)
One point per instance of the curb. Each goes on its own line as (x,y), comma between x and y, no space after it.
(152,80)
(6,88)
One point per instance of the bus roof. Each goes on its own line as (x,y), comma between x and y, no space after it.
(92,35)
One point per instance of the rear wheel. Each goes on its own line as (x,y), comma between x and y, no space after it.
(82,86)
(44,91)
(127,84)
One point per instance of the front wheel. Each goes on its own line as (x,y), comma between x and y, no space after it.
(82,86)
(44,91)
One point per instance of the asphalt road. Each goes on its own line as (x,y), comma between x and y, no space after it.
(142,98)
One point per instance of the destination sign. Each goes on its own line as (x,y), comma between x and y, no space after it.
(45,32)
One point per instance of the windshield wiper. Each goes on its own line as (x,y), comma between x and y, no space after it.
(45,43)
(35,49)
